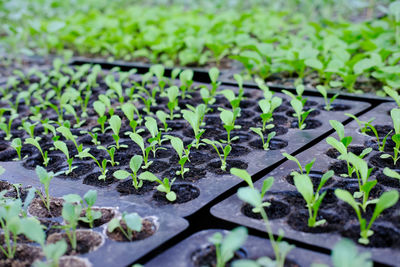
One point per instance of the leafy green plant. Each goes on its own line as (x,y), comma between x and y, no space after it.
(6,127)
(53,253)
(165,185)
(134,164)
(100,108)
(228,119)
(267,107)
(146,151)
(183,153)
(45,179)
(162,116)
(155,139)
(17,145)
(265,143)
(307,167)
(186,78)
(90,198)
(381,144)
(130,110)
(29,128)
(328,102)
(222,155)
(391,173)
(115,124)
(304,185)
(300,113)
(66,132)
(173,93)
(363,125)
(102,166)
(393,94)
(395,114)
(60,145)
(195,118)
(385,201)
(225,247)
(35,143)
(132,221)
(71,214)
(111,152)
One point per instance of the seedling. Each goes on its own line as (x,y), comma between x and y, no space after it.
(29,128)
(94,137)
(195,118)
(307,167)
(213,73)
(134,164)
(183,153)
(259,131)
(225,247)
(17,145)
(130,110)
(225,151)
(103,166)
(300,113)
(6,127)
(164,185)
(45,179)
(328,102)
(60,145)
(35,143)
(363,125)
(228,119)
(111,152)
(90,198)
(393,94)
(115,124)
(186,78)
(158,71)
(71,110)
(155,139)
(267,107)
(173,93)
(140,142)
(391,173)
(132,221)
(385,201)
(381,145)
(304,185)
(100,108)
(66,132)
(162,116)
(53,253)
(71,214)
(299,91)
(232,98)
(395,114)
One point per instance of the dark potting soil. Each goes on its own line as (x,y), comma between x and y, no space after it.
(336,107)
(106,215)
(387,181)
(310,124)
(38,209)
(207,256)
(192,175)
(86,241)
(126,188)
(184,193)
(383,237)
(298,220)
(377,161)
(148,229)
(274,144)
(276,210)
(77,173)
(315,177)
(382,130)
(25,255)
(93,179)
(215,166)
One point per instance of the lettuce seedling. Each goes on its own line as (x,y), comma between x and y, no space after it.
(140,142)
(130,110)
(328,102)
(90,198)
(173,93)
(395,114)
(94,137)
(162,116)
(259,131)
(393,94)
(225,247)
(115,124)
(195,118)
(6,127)
(158,71)
(133,223)
(100,108)
(155,139)
(391,173)
(304,185)
(46,123)
(363,125)
(222,155)
(183,153)
(66,132)
(186,78)
(111,152)
(381,145)
(29,128)
(232,98)
(307,167)
(228,119)
(35,143)
(267,107)
(17,145)
(164,186)
(71,214)
(385,201)
(103,166)
(60,145)
(134,164)
(45,179)
(300,113)
(254,198)
(53,253)
(213,73)
(299,91)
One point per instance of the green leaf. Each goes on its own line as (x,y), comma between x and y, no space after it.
(33,230)
(90,197)
(232,242)
(113,224)
(267,184)
(304,186)
(348,198)
(391,173)
(148,176)
(339,128)
(250,195)
(136,162)
(121,174)
(395,114)
(243,174)
(171,196)
(115,123)
(345,254)
(60,145)
(314,63)
(214,74)
(386,200)
(133,221)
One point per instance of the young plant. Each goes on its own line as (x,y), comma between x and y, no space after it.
(60,145)
(183,153)
(90,198)
(100,108)
(267,107)
(213,73)
(304,185)
(45,179)
(162,116)
(363,125)
(164,185)
(146,151)
(381,144)
(115,124)
(173,93)
(195,118)
(29,128)
(225,247)
(228,119)
(17,145)
(132,221)
(254,198)
(259,131)
(53,253)
(134,164)
(103,166)
(301,115)
(71,214)
(307,167)
(391,173)
(186,78)
(395,114)
(6,127)
(66,132)
(155,139)
(225,151)
(328,102)
(130,110)
(35,143)
(111,152)
(385,201)
(393,94)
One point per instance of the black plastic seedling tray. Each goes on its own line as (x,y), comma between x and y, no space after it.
(288,211)
(197,249)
